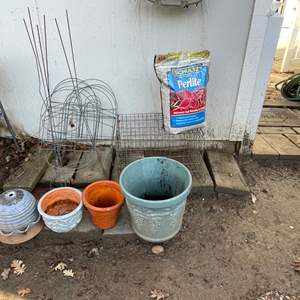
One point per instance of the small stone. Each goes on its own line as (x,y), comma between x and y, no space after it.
(93,252)
(255,212)
(253,198)
(7,158)
(157,249)
(291,227)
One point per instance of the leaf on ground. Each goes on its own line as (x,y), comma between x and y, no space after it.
(24,291)
(159,294)
(18,266)
(5,273)
(60,266)
(69,273)
(296,264)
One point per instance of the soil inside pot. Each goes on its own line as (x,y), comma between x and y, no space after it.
(61,207)
(156,197)
(103,203)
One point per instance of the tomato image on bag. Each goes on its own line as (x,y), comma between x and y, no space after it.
(183,77)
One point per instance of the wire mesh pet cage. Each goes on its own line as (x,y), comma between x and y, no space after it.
(142,135)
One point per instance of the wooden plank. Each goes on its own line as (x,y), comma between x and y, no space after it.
(297,111)
(285,148)
(226,173)
(280,102)
(261,148)
(94,166)
(30,172)
(278,130)
(64,174)
(295,138)
(297,129)
(279,117)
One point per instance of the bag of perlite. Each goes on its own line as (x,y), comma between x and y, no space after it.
(183,77)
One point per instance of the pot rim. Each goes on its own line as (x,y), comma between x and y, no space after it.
(73,212)
(157,203)
(102,209)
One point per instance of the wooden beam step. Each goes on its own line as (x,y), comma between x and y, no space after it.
(93,166)
(226,173)
(29,172)
(58,176)
(285,148)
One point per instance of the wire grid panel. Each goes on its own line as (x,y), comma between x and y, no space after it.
(191,158)
(146,131)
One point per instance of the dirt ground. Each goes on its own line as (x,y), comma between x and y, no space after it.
(227,249)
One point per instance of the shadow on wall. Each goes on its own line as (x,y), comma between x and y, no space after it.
(5,91)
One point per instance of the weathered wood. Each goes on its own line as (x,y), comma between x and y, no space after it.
(279,117)
(94,166)
(278,130)
(285,148)
(64,174)
(226,173)
(30,172)
(276,100)
(262,149)
(295,138)
(297,129)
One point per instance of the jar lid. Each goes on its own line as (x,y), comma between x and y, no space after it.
(11,197)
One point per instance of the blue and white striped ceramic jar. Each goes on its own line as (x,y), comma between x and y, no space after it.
(18,211)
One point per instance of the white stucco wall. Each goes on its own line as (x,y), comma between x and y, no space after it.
(115,40)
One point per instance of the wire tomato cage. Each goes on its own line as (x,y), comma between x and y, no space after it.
(77,114)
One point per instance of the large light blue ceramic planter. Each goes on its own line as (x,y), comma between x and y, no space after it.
(156,190)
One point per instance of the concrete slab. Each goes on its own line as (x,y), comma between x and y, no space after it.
(123,227)
(86,231)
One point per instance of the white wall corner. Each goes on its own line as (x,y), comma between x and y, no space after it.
(256,38)
(263,73)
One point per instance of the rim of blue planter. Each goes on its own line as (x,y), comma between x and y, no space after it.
(157,203)
(73,212)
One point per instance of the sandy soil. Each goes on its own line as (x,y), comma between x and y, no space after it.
(228,249)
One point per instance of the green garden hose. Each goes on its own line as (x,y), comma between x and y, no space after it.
(290,88)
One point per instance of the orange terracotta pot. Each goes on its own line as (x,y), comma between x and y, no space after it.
(104,200)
